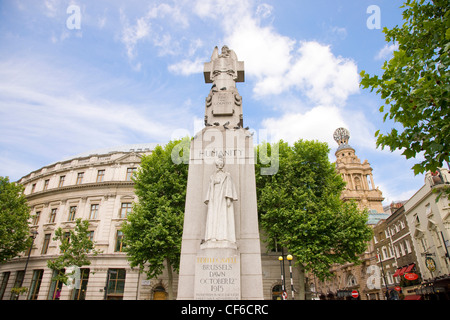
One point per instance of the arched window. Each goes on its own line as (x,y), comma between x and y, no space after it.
(351,281)
(277,292)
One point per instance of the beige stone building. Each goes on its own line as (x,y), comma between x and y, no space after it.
(360,188)
(96,186)
(428,218)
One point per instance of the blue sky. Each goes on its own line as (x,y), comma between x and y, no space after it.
(131,72)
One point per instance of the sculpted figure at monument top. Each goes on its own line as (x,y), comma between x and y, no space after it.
(220,215)
(224,104)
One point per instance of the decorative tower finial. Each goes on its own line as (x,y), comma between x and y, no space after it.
(341,136)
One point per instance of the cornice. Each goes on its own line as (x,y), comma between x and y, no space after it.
(78,187)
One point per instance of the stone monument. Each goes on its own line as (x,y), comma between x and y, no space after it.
(220,250)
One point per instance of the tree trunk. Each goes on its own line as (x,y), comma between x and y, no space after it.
(170,276)
(301,282)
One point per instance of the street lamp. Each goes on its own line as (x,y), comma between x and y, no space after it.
(33,236)
(289,257)
(280,258)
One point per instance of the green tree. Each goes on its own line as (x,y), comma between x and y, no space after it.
(14,215)
(75,248)
(300,208)
(415,84)
(153,231)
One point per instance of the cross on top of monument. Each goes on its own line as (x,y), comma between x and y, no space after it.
(224,104)
(224,63)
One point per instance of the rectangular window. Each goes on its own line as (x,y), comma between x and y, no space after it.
(116,284)
(94,211)
(72,213)
(408,246)
(55,285)
(52,215)
(36,218)
(130,172)
(46,243)
(46,183)
(33,187)
(91,236)
(80,177)
(35,284)
(80,294)
(5,278)
(18,283)
(119,241)
(61,181)
(100,175)
(125,209)
(402,249)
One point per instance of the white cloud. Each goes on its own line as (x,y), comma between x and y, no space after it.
(53,111)
(187,67)
(278,66)
(146,28)
(318,123)
(386,51)
(264,10)
(132,34)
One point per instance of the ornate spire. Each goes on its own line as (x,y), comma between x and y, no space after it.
(341,136)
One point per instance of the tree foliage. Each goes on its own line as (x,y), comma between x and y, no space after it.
(75,246)
(153,231)
(300,208)
(415,84)
(14,215)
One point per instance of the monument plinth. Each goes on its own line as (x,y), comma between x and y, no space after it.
(220,251)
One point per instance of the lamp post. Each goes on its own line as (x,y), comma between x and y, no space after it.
(382,270)
(33,236)
(289,257)
(280,258)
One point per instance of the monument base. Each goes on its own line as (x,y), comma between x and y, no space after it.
(217,274)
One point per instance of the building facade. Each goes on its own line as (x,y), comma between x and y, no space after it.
(97,186)
(428,216)
(396,255)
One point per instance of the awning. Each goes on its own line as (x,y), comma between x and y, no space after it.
(410,267)
(413,297)
(396,274)
(402,272)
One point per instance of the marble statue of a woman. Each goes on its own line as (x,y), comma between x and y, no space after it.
(219,199)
